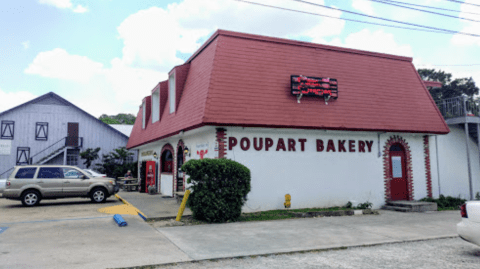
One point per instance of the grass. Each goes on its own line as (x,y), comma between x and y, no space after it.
(268,215)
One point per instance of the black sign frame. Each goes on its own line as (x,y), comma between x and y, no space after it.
(314,86)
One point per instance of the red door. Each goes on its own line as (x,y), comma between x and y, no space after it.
(150,175)
(398,185)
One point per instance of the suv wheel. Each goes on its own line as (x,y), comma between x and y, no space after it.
(98,195)
(31,198)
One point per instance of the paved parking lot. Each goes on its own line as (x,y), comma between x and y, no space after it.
(13,211)
(71,233)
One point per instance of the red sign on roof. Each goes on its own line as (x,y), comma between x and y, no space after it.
(313,86)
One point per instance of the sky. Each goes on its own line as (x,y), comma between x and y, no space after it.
(105,56)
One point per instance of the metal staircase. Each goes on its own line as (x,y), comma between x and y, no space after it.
(51,156)
(461,111)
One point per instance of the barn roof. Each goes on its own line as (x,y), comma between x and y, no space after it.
(238,79)
(54,98)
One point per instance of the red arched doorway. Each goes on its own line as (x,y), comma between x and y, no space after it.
(398,173)
(166,170)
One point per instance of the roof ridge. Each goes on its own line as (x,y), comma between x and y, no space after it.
(63,100)
(205,110)
(430,97)
(311,44)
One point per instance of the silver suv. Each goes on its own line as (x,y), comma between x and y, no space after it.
(32,183)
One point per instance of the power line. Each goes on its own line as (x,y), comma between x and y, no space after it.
(344,19)
(385,19)
(422,10)
(455,1)
(449,64)
(438,8)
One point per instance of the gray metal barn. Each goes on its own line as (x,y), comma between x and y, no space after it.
(51,130)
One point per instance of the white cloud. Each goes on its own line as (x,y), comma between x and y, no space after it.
(153,38)
(468,26)
(26,44)
(12,99)
(64,4)
(80,9)
(377,41)
(58,63)
(363,6)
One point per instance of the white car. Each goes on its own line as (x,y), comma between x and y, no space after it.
(2,185)
(94,173)
(469,228)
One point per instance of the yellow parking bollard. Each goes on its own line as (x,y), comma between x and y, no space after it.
(182,206)
(287,203)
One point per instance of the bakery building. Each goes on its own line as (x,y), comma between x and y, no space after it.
(326,125)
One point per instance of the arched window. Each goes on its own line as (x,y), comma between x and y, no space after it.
(167,161)
(396,147)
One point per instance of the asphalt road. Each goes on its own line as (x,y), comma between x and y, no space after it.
(440,253)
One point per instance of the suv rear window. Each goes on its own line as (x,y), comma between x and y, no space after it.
(50,172)
(26,172)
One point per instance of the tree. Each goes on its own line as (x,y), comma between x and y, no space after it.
(118,119)
(89,155)
(451,88)
(116,163)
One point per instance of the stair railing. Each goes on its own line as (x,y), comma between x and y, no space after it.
(459,106)
(48,150)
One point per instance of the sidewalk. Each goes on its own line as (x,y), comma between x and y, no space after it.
(153,206)
(283,236)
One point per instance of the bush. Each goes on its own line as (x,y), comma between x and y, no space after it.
(219,189)
(448,202)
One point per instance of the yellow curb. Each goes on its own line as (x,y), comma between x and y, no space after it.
(127,203)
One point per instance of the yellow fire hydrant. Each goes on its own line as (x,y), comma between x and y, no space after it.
(287,203)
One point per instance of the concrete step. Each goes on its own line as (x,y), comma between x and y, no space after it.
(414,206)
(397,208)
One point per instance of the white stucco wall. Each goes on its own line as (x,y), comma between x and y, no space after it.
(313,179)
(319,179)
(452,164)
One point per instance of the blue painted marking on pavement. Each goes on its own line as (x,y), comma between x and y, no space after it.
(2,229)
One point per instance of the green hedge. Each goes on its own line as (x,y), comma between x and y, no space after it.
(219,189)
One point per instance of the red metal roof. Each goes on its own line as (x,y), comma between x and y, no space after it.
(238,79)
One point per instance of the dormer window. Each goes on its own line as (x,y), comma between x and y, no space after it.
(156,106)
(144,114)
(171,92)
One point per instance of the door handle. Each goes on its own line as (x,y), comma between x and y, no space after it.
(40,182)
(66,182)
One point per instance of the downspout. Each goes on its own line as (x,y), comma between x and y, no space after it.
(468,151)
(379,151)
(438,165)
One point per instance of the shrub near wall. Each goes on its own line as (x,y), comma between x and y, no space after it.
(219,189)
